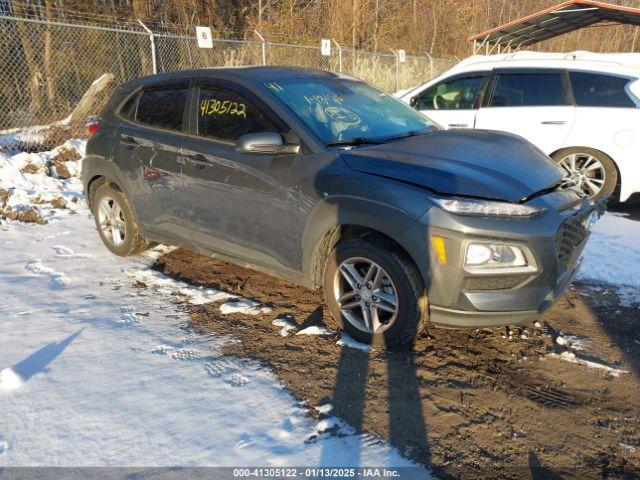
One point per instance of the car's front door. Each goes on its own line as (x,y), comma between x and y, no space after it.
(246,205)
(453,102)
(535,104)
(150,139)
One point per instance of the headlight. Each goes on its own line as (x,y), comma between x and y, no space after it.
(471,206)
(495,256)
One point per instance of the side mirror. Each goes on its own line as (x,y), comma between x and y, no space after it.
(413,102)
(265,142)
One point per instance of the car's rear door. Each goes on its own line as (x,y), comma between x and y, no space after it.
(244,205)
(454,101)
(533,103)
(152,138)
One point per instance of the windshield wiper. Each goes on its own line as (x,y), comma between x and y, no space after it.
(412,133)
(354,142)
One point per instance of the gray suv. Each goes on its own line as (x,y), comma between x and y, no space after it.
(328,182)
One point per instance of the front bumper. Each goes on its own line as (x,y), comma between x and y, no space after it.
(462,299)
(452,318)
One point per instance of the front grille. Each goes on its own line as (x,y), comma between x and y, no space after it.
(502,282)
(570,235)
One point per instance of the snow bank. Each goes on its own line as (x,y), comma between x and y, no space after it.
(34,181)
(612,254)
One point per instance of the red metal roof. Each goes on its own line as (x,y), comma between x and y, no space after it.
(557,20)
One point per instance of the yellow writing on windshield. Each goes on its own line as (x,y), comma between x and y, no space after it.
(327,99)
(274,86)
(213,106)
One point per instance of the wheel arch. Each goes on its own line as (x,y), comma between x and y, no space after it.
(96,171)
(356,218)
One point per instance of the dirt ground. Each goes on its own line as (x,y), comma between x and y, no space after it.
(490,403)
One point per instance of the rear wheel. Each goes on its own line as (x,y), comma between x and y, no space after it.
(116,221)
(590,170)
(376,294)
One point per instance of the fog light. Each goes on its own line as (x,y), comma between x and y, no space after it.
(494,255)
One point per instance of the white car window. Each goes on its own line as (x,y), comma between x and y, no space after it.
(455,94)
(528,90)
(599,90)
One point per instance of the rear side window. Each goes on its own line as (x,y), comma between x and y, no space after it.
(226,115)
(455,94)
(597,90)
(163,107)
(128,110)
(528,90)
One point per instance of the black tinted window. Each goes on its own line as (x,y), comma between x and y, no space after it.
(456,94)
(594,90)
(226,115)
(128,110)
(528,90)
(163,107)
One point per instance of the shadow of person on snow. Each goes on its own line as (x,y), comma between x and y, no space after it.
(39,360)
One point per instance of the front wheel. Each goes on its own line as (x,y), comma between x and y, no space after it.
(116,221)
(590,170)
(375,293)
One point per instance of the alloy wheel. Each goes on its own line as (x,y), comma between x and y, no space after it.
(111,221)
(365,294)
(583,171)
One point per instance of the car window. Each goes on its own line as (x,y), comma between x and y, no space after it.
(337,109)
(128,109)
(455,94)
(597,90)
(162,107)
(226,115)
(528,90)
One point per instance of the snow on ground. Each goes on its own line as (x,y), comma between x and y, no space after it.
(612,254)
(98,366)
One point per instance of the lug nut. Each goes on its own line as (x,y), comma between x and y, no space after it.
(374,298)
(357,297)
(369,285)
(367,304)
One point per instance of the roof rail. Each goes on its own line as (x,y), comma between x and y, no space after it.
(623,59)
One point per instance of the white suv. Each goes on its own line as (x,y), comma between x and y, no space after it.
(582,109)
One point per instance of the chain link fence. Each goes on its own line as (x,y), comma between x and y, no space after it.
(46,66)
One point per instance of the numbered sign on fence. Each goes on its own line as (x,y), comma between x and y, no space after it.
(205,40)
(402,57)
(325,47)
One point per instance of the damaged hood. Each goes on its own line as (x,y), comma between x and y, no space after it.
(476,163)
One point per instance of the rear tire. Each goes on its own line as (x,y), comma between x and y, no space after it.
(590,169)
(116,221)
(394,277)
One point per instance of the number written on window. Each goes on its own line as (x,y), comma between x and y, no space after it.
(226,115)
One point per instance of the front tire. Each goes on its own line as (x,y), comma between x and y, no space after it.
(375,293)
(590,170)
(116,221)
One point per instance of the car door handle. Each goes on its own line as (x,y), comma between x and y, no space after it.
(197,160)
(458,125)
(554,122)
(129,141)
